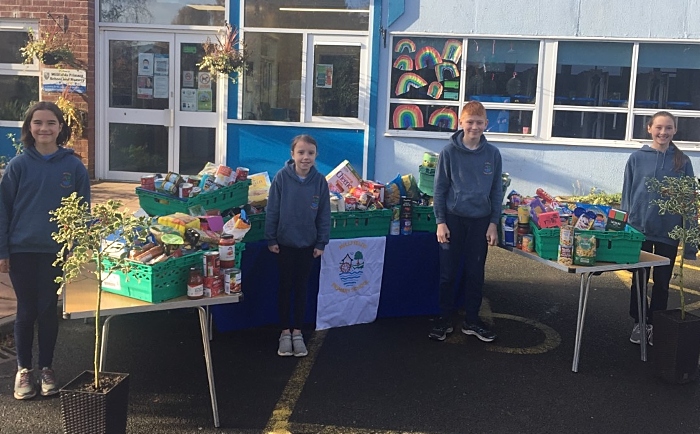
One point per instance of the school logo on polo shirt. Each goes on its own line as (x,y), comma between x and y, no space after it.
(315,201)
(488,168)
(67,180)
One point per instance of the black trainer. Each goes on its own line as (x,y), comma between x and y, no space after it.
(478,330)
(441,328)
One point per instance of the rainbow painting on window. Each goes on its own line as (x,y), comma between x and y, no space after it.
(407,81)
(452,50)
(427,57)
(405,44)
(445,118)
(435,90)
(408,116)
(404,62)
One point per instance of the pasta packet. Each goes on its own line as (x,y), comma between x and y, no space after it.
(584,248)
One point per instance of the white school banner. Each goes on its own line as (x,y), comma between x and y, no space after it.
(350,282)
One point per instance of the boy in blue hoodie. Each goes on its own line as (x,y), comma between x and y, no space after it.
(660,159)
(467,203)
(34,184)
(297,229)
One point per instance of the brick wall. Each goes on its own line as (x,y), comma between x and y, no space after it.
(81,32)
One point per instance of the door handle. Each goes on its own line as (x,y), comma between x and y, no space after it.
(169,118)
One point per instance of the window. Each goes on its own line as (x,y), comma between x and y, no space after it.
(308,14)
(429,82)
(272,82)
(327,87)
(592,74)
(170,12)
(19,83)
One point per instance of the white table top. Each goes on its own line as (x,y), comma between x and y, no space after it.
(80,299)
(646,259)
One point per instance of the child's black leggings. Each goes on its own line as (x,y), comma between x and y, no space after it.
(294,267)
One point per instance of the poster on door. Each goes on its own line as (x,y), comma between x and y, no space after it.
(324,76)
(187,78)
(204,80)
(160,86)
(188,100)
(145,64)
(160,64)
(144,87)
(204,100)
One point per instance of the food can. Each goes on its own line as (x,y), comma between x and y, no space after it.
(195,191)
(430,159)
(211,264)
(213,286)
(528,243)
(395,227)
(173,177)
(232,280)
(406,227)
(148,182)
(169,187)
(242,173)
(185,190)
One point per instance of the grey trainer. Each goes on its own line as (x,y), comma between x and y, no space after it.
(285,348)
(299,346)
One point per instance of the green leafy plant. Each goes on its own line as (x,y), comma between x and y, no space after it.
(86,235)
(679,196)
(49,47)
(19,148)
(225,55)
(597,197)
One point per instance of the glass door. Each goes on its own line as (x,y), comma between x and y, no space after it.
(160,112)
(336,78)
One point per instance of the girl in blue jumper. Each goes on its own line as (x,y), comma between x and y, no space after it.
(297,229)
(660,159)
(34,184)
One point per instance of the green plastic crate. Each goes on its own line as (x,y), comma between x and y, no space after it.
(257,228)
(159,204)
(423,219)
(619,247)
(153,283)
(426,180)
(355,224)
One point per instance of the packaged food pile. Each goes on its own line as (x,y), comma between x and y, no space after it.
(210,178)
(578,225)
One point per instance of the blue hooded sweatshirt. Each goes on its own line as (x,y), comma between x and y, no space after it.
(468,182)
(643,164)
(31,187)
(298,211)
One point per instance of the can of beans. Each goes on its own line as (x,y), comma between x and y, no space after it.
(169,187)
(148,182)
(211,264)
(232,280)
(185,190)
(242,173)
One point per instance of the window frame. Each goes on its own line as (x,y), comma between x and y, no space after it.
(19,69)
(544,107)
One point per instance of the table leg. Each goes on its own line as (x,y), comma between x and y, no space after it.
(582,302)
(210,318)
(204,325)
(642,309)
(103,346)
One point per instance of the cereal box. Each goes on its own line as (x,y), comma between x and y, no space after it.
(343,178)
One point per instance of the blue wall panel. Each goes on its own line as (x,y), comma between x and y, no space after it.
(6,148)
(267,147)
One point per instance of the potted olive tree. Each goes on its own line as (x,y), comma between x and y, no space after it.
(95,402)
(677,332)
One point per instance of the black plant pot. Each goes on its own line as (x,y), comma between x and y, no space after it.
(87,412)
(676,346)
(50,59)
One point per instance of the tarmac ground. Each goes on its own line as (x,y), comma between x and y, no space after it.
(387,376)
